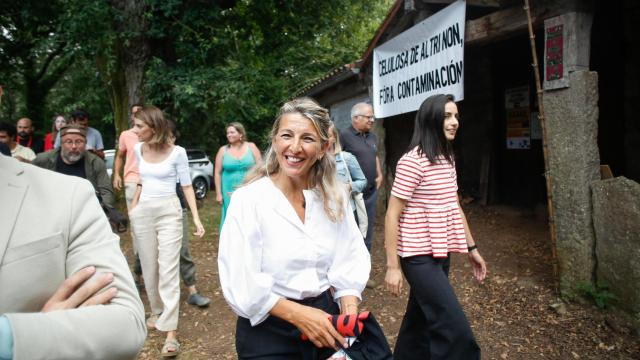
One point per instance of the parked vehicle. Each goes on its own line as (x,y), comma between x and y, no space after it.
(109,157)
(200,169)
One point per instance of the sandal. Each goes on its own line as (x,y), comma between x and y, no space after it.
(171,348)
(151,321)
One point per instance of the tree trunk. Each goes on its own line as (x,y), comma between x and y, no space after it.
(34,102)
(126,78)
(39,80)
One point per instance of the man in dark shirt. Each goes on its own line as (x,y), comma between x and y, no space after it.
(362,143)
(72,158)
(27,138)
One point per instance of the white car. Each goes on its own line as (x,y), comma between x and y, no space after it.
(109,157)
(200,169)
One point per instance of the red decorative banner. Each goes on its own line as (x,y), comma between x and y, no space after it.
(554,60)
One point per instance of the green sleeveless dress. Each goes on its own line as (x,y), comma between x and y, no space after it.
(233,173)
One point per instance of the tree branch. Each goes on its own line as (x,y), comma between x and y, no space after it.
(52,55)
(56,73)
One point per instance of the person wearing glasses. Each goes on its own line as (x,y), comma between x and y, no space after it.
(72,158)
(363,144)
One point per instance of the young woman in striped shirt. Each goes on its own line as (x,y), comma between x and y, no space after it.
(423,225)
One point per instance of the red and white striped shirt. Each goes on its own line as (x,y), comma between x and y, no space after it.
(431,222)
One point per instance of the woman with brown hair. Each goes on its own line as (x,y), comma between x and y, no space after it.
(156,219)
(58,122)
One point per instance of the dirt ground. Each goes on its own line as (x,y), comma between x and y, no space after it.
(510,312)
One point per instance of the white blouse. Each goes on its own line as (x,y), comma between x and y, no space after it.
(266,252)
(159,179)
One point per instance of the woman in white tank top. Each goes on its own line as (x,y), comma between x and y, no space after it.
(156,219)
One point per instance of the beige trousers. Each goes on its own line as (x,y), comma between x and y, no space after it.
(157,224)
(129,191)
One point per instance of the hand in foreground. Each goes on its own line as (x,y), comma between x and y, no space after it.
(478,265)
(199,228)
(393,281)
(315,325)
(82,289)
(219,198)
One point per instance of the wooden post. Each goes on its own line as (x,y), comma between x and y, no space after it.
(548,178)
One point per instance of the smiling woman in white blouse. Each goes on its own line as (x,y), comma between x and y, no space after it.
(289,256)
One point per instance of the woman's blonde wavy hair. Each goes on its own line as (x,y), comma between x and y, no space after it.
(323,172)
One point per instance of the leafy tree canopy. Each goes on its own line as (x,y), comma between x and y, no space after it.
(211,62)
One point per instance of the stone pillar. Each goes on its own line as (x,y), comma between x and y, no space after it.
(572,128)
(616,210)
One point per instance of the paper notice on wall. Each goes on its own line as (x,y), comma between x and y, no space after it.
(518,119)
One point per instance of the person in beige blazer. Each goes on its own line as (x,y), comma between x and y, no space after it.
(65,286)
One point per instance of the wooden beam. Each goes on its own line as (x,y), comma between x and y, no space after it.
(504,23)
(478,3)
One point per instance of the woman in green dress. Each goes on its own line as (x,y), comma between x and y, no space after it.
(232,163)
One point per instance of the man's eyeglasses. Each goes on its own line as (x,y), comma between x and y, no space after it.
(71,142)
(369,118)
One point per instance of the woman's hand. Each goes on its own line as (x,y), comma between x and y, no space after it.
(393,280)
(219,198)
(478,265)
(199,228)
(315,324)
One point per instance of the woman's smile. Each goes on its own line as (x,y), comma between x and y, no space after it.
(297,146)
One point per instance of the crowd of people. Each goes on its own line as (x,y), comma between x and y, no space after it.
(296,233)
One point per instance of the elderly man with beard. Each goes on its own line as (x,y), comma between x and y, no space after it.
(72,158)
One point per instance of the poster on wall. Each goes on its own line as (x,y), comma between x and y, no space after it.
(518,117)
(555,53)
(425,60)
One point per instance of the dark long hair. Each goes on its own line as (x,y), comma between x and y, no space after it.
(428,131)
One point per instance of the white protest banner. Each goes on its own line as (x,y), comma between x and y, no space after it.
(425,60)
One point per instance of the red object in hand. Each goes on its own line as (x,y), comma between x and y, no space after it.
(347,325)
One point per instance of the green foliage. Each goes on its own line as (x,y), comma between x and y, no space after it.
(212,61)
(242,63)
(47,52)
(599,293)
(34,53)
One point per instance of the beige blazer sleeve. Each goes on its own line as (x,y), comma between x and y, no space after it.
(58,229)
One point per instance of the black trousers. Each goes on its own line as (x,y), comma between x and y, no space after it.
(276,339)
(434,325)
